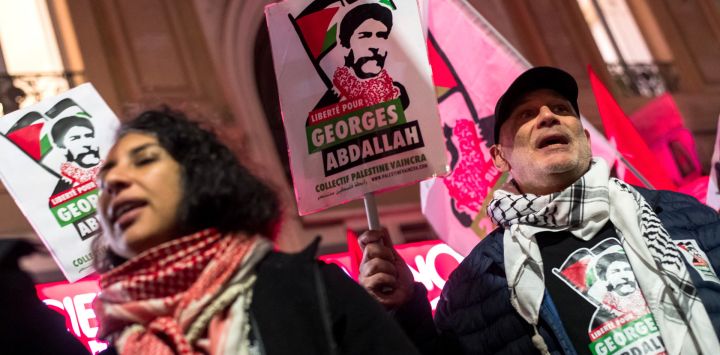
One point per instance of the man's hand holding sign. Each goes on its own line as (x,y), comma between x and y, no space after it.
(383,272)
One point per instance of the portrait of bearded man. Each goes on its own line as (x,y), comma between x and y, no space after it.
(363,35)
(76,136)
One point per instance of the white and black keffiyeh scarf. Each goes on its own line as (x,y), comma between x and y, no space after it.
(583,209)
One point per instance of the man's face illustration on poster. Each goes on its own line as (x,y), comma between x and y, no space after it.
(364,31)
(77,136)
(618,274)
(620,278)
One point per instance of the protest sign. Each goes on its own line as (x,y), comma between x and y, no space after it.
(356,94)
(51,152)
(472,66)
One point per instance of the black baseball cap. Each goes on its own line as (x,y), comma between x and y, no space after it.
(533,79)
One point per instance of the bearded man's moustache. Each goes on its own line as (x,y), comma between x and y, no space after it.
(81,156)
(93,152)
(612,288)
(378,58)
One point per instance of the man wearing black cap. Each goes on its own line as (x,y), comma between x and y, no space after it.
(531,285)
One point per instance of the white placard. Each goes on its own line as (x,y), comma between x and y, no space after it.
(358,103)
(49,155)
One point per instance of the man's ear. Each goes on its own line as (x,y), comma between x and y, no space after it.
(498,159)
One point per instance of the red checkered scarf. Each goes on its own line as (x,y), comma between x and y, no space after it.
(147,304)
(373,91)
(76,174)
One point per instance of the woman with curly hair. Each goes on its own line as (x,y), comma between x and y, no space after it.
(186,259)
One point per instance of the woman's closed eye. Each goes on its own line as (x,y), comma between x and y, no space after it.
(145,160)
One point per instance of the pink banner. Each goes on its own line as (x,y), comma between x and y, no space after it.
(472,66)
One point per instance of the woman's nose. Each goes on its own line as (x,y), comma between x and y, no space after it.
(114,182)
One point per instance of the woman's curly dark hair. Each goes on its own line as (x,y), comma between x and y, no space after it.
(218,191)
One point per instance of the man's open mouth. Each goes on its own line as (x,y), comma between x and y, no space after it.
(552,140)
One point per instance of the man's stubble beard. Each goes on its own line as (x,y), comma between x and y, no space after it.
(582,162)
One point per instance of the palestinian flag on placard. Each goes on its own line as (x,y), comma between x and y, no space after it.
(28,135)
(317,29)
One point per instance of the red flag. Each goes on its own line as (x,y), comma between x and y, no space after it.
(629,143)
